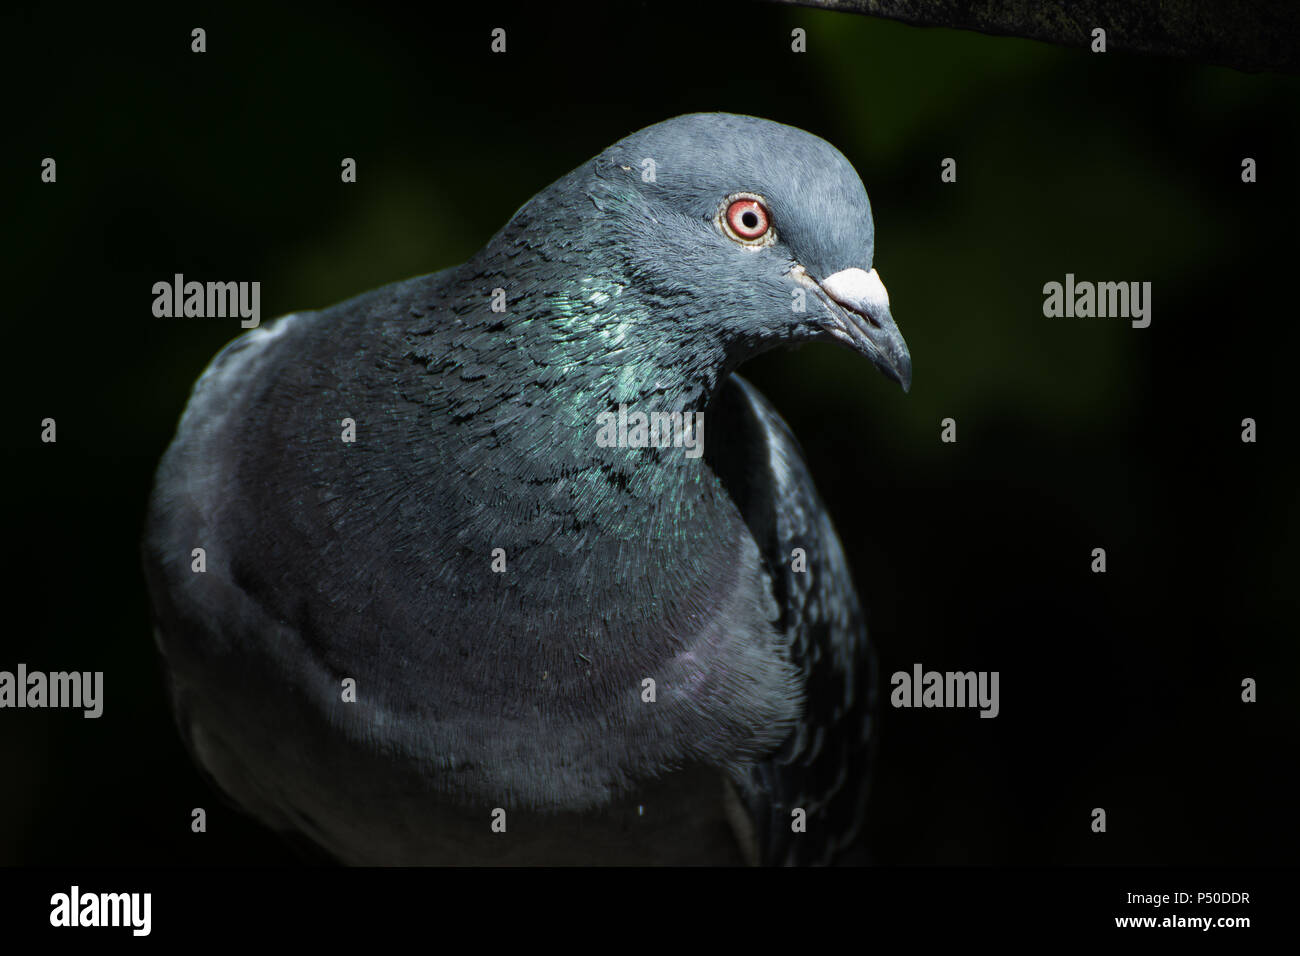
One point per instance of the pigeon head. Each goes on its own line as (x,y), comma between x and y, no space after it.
(750,233)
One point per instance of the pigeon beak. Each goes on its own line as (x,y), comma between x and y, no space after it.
(859,317)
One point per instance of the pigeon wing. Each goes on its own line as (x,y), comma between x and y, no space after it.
(822,767)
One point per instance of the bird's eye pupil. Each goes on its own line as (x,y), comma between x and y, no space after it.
(749,219)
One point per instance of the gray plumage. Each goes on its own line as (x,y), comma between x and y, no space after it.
(475,431)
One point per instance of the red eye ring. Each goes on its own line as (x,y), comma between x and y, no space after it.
(747,219)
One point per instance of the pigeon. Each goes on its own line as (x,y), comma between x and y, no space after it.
(505,565)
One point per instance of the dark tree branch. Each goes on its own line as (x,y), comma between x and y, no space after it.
(1245,34)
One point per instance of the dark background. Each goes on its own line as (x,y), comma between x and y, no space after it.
(1119,690)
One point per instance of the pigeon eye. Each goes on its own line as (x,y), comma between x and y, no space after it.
(746,220)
